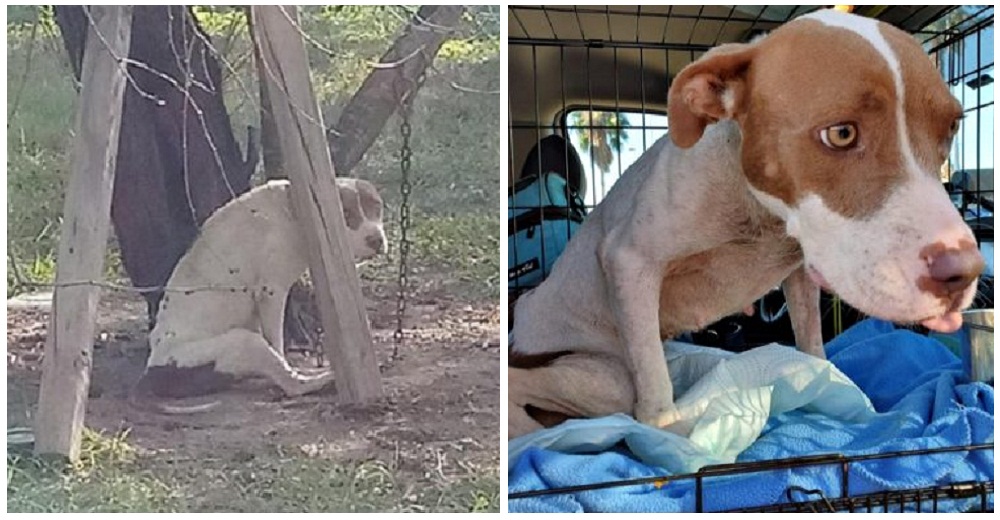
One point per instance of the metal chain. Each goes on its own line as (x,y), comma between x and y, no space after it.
(405,187)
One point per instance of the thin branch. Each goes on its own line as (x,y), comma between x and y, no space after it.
(15,270)
(472,90)
(400,62)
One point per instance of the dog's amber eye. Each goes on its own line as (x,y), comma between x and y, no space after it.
(839,137)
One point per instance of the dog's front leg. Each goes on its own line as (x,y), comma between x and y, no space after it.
(802,296)
(633,285)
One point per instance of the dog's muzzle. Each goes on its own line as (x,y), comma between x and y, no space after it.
(377,243)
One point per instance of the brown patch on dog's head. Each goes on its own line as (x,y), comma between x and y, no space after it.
(351,204)
(362,208)
(370,200)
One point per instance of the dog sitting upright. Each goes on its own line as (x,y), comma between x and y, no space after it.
(807,158)
(203,339)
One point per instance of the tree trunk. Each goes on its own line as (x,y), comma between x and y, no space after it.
(269,145)
(178,159)
(380,94)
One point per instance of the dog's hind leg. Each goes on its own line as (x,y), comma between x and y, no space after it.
(575,385)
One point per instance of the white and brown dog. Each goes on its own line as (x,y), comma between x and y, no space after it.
(254,247)
(809,159)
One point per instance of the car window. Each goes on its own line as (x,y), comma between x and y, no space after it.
(609,142)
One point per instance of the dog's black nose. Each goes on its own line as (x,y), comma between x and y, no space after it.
(952,270)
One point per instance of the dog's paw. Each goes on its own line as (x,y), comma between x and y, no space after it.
(656,415)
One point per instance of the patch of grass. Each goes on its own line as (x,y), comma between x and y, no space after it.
(112,476)
(302,484)
(108,478)
(38,139)
(467,245)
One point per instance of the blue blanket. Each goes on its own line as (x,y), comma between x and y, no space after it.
(915,384)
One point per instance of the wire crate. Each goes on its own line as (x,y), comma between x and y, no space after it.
(976,496)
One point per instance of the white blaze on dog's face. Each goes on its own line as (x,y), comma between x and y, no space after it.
(362,207)
(845,125)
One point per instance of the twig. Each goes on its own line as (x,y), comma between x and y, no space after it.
(18,277)
(397,63)
(472,90)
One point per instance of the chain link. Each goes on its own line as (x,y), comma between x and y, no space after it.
(405,188)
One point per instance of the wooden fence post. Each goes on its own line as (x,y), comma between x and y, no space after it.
(316,203)
(84,235)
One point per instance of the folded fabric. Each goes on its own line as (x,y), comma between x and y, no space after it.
(771,403)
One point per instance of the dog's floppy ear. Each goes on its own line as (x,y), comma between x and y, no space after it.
(351,203)
(710,89)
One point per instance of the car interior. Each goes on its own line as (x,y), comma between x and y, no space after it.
(598,76)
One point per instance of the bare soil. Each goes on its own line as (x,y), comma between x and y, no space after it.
(440,409)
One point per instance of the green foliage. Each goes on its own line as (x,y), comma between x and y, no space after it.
(604,141)
(38,144)
(456,134)
(106,479)
(22,18)
(467,246)
(219,20)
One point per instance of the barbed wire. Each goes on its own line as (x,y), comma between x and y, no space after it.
(425,24)
(104,284)
(184,90)
(185,67)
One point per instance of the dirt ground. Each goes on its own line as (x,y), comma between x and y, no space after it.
(440,408)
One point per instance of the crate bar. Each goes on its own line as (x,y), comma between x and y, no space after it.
(579,22)
(607,44)
(902,23)
(549,20)
(617,134)
(720,470)
(694,26)
(723,26)
(606,11)
(666,22)
(519,22)
(538,139)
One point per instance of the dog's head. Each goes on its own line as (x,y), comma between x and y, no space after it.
(845,124)
(363,215)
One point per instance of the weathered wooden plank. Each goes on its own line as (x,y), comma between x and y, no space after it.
(316,203)
(84,236)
